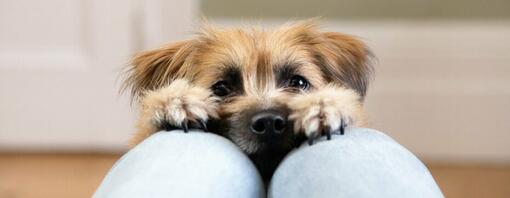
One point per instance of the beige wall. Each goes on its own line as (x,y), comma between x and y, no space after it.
(359,9)
(441,86)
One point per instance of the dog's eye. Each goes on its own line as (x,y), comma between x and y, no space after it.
(221,88)
(299,82)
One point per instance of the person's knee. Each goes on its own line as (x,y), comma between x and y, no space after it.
(178,164)
(361,163)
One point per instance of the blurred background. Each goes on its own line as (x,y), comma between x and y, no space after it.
(442,85)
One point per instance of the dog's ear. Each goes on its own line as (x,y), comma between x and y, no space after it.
(345,60)
(156,68)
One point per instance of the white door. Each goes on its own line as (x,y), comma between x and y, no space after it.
(59,68)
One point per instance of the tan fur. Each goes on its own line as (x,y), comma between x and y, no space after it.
(336,65)
(327,107)
(157,68)
(176,103)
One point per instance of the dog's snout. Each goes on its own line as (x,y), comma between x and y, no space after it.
(268,123)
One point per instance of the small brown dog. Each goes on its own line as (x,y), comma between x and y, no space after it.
(266,91)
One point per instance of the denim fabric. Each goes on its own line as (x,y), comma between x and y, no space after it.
(362,163)
(179,165)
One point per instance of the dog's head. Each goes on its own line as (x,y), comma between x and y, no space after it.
(255,73)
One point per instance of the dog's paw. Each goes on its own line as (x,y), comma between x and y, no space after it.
(325,111)
(179,105)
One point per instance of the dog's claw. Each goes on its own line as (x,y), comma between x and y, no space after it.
(311,138)
(327,131)
(184,126)
(342,127)
(203,125)
(310,141)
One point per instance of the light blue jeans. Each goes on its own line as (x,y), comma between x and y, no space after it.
(362,163)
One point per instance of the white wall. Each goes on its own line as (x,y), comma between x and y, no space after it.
(60,62)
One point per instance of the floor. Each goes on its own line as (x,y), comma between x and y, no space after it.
(77,175)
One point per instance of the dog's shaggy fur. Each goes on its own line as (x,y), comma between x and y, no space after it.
(223,77)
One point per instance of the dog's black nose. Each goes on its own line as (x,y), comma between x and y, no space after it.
(268,123)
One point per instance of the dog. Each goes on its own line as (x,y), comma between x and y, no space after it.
(265,90)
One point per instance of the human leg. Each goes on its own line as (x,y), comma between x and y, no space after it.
(362,163)
(177,164)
